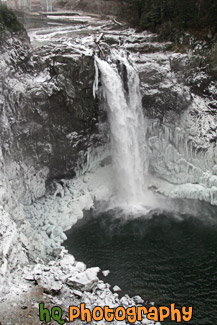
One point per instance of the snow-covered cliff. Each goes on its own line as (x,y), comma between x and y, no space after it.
(52,126)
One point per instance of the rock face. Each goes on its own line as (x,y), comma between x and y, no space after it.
(66,109)
(12,249)
(48,120)
(48,115)
(179,100)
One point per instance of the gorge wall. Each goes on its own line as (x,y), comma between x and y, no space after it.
(50,119)
(179,100)
(48,115)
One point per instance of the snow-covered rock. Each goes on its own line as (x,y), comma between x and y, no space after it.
(106,272)
(84,281)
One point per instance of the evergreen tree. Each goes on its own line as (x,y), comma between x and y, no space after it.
(181,14)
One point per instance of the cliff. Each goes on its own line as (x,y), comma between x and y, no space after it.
(50,122)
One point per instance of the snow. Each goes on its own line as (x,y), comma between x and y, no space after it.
(183,164)
(106,272)
(71,18)
(55,213)
(65,283)
(116,288)
(11,251)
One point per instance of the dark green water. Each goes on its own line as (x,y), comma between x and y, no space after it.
(164,259)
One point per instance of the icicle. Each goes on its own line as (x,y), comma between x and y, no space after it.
(96,81)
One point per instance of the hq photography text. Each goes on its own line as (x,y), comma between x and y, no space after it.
(131,314)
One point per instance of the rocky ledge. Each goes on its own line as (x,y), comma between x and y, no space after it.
(63,283)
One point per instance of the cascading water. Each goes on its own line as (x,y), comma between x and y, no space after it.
(127,126)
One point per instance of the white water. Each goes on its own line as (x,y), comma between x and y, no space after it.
(127,128)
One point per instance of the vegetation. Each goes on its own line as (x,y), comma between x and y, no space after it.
(8,20)
(169,15)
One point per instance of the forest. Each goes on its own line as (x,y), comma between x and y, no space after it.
(168,16)
(8,20)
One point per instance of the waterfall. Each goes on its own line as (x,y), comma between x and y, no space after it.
(121,93)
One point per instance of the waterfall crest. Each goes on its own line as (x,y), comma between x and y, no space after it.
(121,92)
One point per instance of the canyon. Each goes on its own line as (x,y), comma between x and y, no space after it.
(55,148)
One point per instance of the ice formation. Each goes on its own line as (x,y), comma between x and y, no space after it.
(182,156)
(181,146)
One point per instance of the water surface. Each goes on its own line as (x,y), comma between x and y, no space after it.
(165,259)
